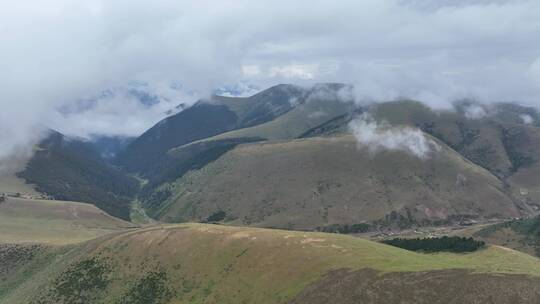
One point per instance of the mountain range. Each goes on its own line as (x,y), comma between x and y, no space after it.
(288,157)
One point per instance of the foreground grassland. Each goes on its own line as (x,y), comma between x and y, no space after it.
(54,222)
(200,263)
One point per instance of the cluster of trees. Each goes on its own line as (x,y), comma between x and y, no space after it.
(445,243)
(345,229)
(217,216)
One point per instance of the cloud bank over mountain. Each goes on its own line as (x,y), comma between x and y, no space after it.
(57,53)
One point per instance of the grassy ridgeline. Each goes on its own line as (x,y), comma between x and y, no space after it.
(200,263)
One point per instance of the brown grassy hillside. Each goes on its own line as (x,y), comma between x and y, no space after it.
(498,142)
(308,183)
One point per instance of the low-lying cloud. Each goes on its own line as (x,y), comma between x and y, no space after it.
(58,52)
(475,111)
(381,136)
(526,119)
(124,112)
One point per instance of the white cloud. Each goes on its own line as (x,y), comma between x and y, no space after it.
(475,111)
(251,70)
(240,89)
(376,137)
(58,52)
(304,72)
(527,119)
(120,112)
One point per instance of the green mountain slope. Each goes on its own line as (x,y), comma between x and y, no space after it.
(523,235)
(205,119)
(316,182)
(479,140)
(199,121)
(523,145)
(499,142)
(319,105)
(294,112)
(71,170)
(197,263)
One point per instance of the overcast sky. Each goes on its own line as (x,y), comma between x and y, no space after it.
(57,54)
